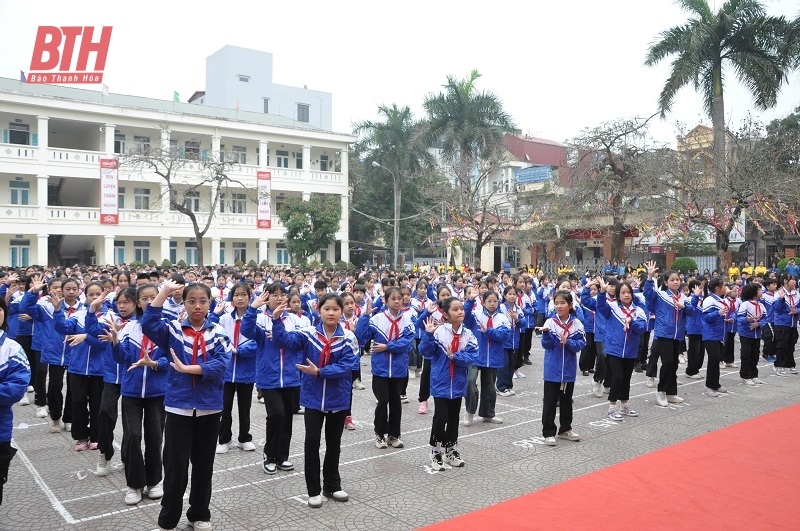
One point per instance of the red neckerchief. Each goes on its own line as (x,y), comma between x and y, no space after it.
(236,328)
(70,311)
(564,327)
(675,300)
(489,324)
(519,300)
(458,293)
(757,308)
(628,313)
(394,328)
(147,347)
(357,311)
(325,354)
(732,305)
(198,343)
(454,344)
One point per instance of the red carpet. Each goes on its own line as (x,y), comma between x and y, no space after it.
(745,476)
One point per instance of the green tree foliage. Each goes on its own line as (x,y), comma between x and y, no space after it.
(310,225)
(683,264)
(740,39)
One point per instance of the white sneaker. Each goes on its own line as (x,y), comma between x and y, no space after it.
(779,371)
(711,393)
(133,496)
(792,370)
(155,492)
(697,376)
(749,382)
(102,468)
(507,392)
(651,382)
(30,388)
(515,376)
(205,526)
(25,401)
(570,436)
(41,412)
(339,495)
(550,441)
(315,502)
(674,399)
(758,382)
(682,359)
(68,426)
(412,373)
(222,448)
(468,418)
(661,398)
(356,385)
(492,420)
(597,389)
(55,426)
(248,446)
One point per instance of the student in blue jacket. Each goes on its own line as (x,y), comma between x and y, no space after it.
(240,376)
(200,352)
(142,387)
(562,338)
(391,332)
(85,370)
(452,348)
(329,352)
(785,311)
(750,320)
(15,373)
(491,328)
(625,323)
(715,311)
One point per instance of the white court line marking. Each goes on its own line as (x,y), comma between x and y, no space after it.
(70,520)
(47,492)
(94,495)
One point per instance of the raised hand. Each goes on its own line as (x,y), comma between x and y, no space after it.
(144,361)
(56,301)
(11,278)
(697,290)
(430,325)
(280,310)
(651,268)
(220,307)
(260,301)
(309,368)
(97,304)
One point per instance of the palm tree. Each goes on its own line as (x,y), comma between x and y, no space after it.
(740,37)
(394,144)
(467,125)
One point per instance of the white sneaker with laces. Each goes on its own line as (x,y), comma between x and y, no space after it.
(339,495)
(758,382)
(41,412)
(492,420)
(597,390)
(102,468)
(749,382)
(204,526)
(315,502)
(711,393)
(358,385)
(651,382)
(24,401)
(248,446)
(674,399)
(697,376)
(661,398)
(468,418)
(792,370)
(133,496)
(30,388)
(155,492)
(570,436)
(550,441)
(222,448)
(453,458)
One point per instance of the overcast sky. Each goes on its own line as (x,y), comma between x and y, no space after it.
(558,67)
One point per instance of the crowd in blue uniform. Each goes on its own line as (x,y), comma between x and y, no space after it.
(178,348)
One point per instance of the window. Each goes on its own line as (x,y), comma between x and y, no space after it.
(191,150)
(323,255)
(302,112)
(266,105)
(19,134)
(238,204)
(298,160)
(141,251)
(20,253)
(19,192)
(279,199)
(141,144)
(173,252)
(239,154)
(283,158)
(141,198)
(323,163)
(191,200)
(190,251)
(121,197)
(119,252)
(119,142)
(283,256)
(240,251)
(244,79)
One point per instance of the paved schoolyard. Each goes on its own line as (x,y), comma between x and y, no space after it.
(51,487)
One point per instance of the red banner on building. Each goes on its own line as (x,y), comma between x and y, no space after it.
(109,192)
(264,217)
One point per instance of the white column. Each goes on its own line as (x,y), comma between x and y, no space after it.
(263,153)
(109,144)
(42,130)
(263,250)
(215,140)
(345,249)
(164,249)
(345,163)
(108,249)
(214,251)
(41,197)
(165,139)
(41,250)
(344,224)
(307,163)
(306,196)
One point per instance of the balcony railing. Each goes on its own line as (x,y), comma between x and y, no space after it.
(17,151)
(75,156)
(16,212)
(78,214)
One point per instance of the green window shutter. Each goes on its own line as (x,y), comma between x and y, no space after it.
(34,139)
(5,136)
(181,152)
(204,155)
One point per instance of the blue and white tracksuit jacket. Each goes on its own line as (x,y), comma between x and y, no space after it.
(242,368)
(618,341)
(15,373)
(330,391)
(754,310)
(141,382)
(393,362)
(670,319)
(449,377)
(87,357)
(188,391)
(561,361)
(275,367)
(490,343)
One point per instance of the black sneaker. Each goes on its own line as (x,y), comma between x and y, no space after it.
(454,459)
(638,367)
(527,361)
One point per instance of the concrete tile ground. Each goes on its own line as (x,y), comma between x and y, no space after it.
(51,487)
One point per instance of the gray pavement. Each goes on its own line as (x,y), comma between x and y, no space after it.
(51,486)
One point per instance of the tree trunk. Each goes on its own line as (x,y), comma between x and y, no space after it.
(718,123)
(396,232)
(723,257)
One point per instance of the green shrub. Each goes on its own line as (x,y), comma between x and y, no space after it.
(264,263)
(152,263)
(327,264)
(181,263)
(135,264)
(314,264)
(683,264)
(341,265)
(783,263)
(239,264)
(166,264)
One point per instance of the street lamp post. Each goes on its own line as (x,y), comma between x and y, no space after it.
(396,187)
